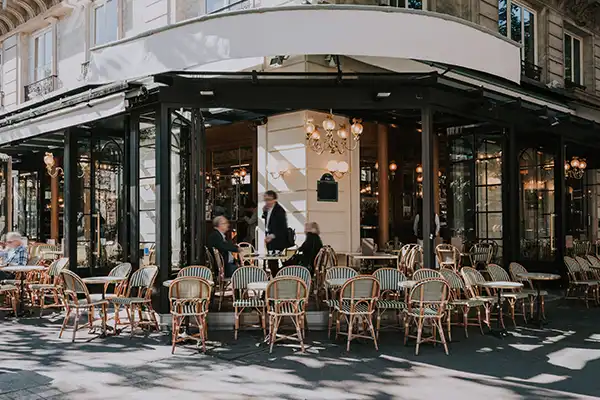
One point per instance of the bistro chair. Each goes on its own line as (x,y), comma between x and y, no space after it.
(323,261)
(246,249)
(428,302)
(9,298)
(302,273)
(331,300)
(240,280)
(223,282)
(197,271)
(389,296)
(515,269)
(473,279)
(497,273)
(480,253)
(581,247)
(286,297)
(77,298)
(414,260)
(404,252)
(189,297)
(426,273)
(588,271)
(579,287)
(137,298)
(356,305)
(50,286)
(448,256)
(122,270)
(461,302)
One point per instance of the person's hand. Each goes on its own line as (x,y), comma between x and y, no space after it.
(268,239)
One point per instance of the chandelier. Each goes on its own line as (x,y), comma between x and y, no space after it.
(575,168)
(345,140)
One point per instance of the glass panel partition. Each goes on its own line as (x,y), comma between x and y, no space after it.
(147,187)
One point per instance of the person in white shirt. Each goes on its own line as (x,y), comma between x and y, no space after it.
(418,226)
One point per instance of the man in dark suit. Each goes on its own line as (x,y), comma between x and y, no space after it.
(276,227)
(218,240)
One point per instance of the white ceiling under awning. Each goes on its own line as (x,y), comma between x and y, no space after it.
(305,30)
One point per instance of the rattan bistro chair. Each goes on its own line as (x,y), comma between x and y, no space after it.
(303,273)
(497,273)
(286,297)
(223,282)
(472,279)
(448,256)
(50,286)
(389,297)
(9,298)
(428,301)
(426,273)
(461,302)
(331,300)
(356,305)
(197,271)
(137,298)
(579,285)
(242,300)
(77,298)
(515,269)
(122,270)
(189,297)
(481,254)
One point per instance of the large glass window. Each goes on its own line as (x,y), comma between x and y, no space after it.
(105,23)
(460,199)
(518,23)
(538,220)
(147,186)
(25,204)
(412,4)
(573,59)
(41,54)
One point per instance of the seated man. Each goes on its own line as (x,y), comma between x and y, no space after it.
(15,253)
(218,240)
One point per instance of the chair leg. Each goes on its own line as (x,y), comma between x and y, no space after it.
(350,326)
(443,339)
(406,328)
(449,324)
(297,322)
(378,322)
(104,319)
(372,329)
(174,332)
(236,323)
(64,324)
(131,315)
(263,321)
(465,322)
(222,290)
(419,333)
(330,323)
(76,324)
(543,310)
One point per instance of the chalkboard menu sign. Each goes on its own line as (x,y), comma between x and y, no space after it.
(327,189)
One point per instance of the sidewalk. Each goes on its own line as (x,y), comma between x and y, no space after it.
(531,364)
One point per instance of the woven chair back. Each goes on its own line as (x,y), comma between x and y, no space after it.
(472,278)
(359,294)
(73,286)
(57,267)
(515,269)
(388,278)
(219,262)
(297,271)
(189,287)
(426,273)
(143,277)
(340,273)
(573,268)
(242,276)
(432,293)
(198,271)
(497,273)
(453,278)
(414,260)
(481,253)
(584,264)
(593,261)
(122,270)
(447,255)
(286,288)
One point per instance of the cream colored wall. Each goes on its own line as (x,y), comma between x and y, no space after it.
(282,139)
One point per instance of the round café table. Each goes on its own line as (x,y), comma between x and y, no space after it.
(500,286)
(406,286)
(257,287)
(539,278)
(19,271)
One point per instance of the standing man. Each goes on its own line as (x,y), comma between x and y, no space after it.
(217,240)
(276,227)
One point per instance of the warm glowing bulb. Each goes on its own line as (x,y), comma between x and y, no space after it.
(420,178)
(419,169)
(582,164)
(332,166)
(49,159)
(309,126)
(343,167)
(567,166)
(329,124)
(342,132)
(356,128)
(315,135)
(575,163)
(243,172)
(393,166)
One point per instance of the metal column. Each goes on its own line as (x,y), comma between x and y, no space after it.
(71,194)
(133,198)
(511,189)
(163,203)
(428,214)
(559,199)
(197,185)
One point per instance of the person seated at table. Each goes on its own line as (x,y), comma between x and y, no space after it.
(14,253)
(308,251)
(219,241)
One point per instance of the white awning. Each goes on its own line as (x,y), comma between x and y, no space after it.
(306,30)
(61,119)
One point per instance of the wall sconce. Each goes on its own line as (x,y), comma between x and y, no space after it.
(279,170)
(51,167)
(338,168)
(393,167)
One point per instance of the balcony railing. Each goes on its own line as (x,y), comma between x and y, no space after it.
(40,88)
(531,71)
(236,5)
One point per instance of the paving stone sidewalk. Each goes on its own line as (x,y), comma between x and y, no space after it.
(560,362)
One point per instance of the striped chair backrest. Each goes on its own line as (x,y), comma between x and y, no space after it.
(581,247)
(453,278)
(340,273)
(198,271)
(584,264)
(73,285)
(297,271)
(362,289)
(481,253)
(122,270)
(447,255)
(404,251)
(242,276)
(414,259)
(219,262)
(388,279)
(593,260)
(286,288)
(472,278)
(143,277)
(430,293)
(573,267)
(189,287)
(515,269)
(57,266)
(426,273)
(497,273)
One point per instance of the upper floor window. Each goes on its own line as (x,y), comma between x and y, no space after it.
(412,4)
(517,22)
(573,59)
(41,54)
(105,22)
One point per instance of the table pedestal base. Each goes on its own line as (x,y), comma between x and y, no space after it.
(499,333)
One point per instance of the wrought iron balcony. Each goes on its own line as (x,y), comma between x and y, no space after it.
(531,71)
(40,88)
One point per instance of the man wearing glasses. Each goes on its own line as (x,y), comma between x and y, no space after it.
(14,252)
